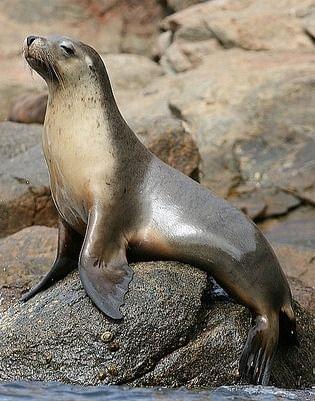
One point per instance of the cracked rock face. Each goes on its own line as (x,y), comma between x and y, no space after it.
(252,25)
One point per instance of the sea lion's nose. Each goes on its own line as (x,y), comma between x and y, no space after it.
(30,40)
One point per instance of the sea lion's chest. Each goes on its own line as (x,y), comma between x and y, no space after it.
(79,159)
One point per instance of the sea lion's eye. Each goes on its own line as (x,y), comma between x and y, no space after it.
(69,50)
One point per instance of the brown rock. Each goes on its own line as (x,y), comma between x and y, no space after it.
(297,232)
(183,56)
(304,295)
(29,108)
(303,212)
(24,258)
(25,193)
(181,4)
(294,243)
(114,26)
(260,203)
(297,262)
(177,148)
(131,71)
(250,25)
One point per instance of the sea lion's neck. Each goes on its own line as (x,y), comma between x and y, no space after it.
(87,112)
(84,96)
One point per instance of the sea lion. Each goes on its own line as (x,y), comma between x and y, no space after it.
(118,202)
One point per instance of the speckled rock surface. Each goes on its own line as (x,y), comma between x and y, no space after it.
(211,356)
(60,335)
(173,334)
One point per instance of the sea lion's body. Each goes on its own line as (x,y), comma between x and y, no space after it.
(127,204)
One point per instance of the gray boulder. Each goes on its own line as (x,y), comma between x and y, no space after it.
(16,139)
(170,336)
(80,345)
(178,329)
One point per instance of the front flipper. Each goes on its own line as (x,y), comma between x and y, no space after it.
(69,246)
(103,267)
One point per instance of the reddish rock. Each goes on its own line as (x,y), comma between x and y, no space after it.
(177,148)
(303,294)
(25,193)
(24,258)
(29,108)
(294,244)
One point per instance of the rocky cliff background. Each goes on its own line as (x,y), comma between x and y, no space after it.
(222,90)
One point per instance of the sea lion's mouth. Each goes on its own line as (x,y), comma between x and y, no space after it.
(42,66)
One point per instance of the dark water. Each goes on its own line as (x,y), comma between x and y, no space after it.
(38,391)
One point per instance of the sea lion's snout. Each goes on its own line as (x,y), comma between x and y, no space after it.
(40,53)
(31,43)
(30,40)
(33,49)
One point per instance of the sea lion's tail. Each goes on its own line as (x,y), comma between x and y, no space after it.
(287,326)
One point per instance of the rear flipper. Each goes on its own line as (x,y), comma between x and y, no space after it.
(259,350)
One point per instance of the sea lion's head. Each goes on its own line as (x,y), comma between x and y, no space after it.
(61,60)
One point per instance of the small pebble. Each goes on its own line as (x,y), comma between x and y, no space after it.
(107,336)
(114,346)
(112,370)
(102,374)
